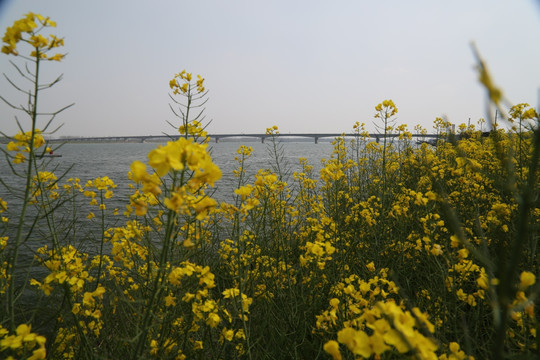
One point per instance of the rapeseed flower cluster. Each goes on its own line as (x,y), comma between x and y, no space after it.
(65,266)
(25,143)
(181,83)
(24,344)
(31,25)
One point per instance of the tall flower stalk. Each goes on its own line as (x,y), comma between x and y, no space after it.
(28,32)
(183,169)
(385,112)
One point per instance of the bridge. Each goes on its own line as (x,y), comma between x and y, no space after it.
(218,137)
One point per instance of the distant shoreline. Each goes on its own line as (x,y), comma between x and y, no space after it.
(227,140)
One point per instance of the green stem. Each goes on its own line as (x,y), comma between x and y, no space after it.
(20,226)
(102,242)
(185,120)
(383,200)
(156,289)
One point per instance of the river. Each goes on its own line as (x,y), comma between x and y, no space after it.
(91,160)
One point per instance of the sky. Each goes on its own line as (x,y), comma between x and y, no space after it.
(305,66)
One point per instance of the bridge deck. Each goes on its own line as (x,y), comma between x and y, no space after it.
(217,137)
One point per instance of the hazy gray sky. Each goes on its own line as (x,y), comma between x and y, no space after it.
(305,66)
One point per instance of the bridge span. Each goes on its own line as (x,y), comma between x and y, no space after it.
(218,137)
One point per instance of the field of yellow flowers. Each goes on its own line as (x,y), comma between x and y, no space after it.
(393,250)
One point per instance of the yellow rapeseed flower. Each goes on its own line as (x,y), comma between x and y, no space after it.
(526,279)
(332,347)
